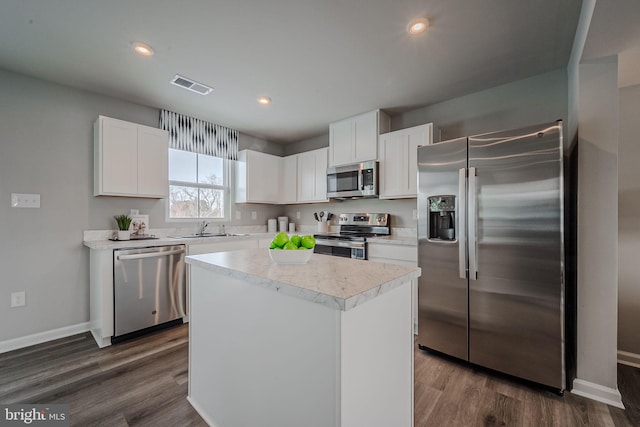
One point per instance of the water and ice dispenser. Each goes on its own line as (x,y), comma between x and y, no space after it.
(442,218)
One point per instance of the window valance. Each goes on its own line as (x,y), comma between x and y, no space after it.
(198,136)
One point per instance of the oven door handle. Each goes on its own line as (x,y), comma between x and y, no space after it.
(340,244)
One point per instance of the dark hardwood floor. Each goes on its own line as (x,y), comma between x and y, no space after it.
(144,383)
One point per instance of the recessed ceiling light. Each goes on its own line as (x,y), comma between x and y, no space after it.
(264,100)
(418,26)
(142,49)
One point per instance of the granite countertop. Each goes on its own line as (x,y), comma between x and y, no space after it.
(339,283)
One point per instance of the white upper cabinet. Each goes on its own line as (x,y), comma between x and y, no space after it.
(264,178)
(289,178)
(398,152)
(257,177)
(355,139)
(130,160)
(312,176)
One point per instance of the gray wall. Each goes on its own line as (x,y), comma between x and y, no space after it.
(629,221)
(46,147)
(598,233)
(539,99)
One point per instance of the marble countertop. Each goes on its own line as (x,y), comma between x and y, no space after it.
(163,241)
(99,239)
(339,283)
(394,240)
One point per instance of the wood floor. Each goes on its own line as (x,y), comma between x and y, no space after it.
(144,383)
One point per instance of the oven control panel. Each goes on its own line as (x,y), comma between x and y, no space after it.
(371,219)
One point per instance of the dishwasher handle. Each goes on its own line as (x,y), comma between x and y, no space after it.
(151,254)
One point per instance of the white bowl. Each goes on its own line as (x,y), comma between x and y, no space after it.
(281,256)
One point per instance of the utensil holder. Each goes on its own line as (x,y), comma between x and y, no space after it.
(323,227)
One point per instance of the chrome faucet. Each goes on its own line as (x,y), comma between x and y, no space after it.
(202,227)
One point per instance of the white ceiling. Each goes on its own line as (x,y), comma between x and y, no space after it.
(319,60)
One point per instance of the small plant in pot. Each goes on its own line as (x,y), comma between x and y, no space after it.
(123,221)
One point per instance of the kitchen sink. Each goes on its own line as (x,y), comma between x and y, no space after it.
(192,236)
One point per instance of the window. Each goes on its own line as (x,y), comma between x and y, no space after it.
(198,185)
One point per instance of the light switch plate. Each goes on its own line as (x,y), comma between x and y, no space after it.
(19,200)
(254,215)
(238,214)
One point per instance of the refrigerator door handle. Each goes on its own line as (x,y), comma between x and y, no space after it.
(473,222)
(462,223)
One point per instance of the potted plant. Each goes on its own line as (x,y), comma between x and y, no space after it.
(123,221)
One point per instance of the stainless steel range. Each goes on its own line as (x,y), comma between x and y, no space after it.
(351,240)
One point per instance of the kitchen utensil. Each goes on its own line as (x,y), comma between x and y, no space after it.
(315,215)
(321,215)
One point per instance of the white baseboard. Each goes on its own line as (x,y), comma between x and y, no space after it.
(630,359)
(610,396)
(40,337)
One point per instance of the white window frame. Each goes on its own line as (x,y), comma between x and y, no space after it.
(227,174)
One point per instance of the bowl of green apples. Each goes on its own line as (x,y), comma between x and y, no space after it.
(291,249)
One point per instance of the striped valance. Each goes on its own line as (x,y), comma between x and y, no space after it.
(195,135)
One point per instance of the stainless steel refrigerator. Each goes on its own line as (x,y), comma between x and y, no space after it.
(490,245)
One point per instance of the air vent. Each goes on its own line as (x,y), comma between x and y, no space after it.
(191,85)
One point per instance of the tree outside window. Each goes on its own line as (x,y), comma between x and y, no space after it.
(198,185)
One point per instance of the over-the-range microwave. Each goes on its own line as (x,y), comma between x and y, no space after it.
(353,181)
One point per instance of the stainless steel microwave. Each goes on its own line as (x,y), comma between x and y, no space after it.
(353,181)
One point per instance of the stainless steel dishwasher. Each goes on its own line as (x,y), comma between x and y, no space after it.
(148,288)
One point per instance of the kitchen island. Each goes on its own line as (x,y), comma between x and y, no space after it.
(327,343)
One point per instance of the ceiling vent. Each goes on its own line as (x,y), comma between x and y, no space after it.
(191,85)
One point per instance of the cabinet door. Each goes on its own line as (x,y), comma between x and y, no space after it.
(263,177)
(392,161)
(398,161)
(118,157)
(341,143)
(289,179)
(153,158)
(321,158)
(415,137)
(365,137)
(306,176)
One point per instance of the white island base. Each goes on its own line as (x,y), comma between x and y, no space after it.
(261,357)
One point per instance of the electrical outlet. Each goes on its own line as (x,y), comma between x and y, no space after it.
(415,214)
(238,215)
(298,215)
(18,299)
(19,200)
(254,215)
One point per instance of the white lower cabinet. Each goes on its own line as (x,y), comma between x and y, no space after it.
(401,255)
(207,248)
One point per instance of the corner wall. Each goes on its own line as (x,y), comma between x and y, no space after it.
(597,267)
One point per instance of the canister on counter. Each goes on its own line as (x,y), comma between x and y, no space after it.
(272,225)
(283,222)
